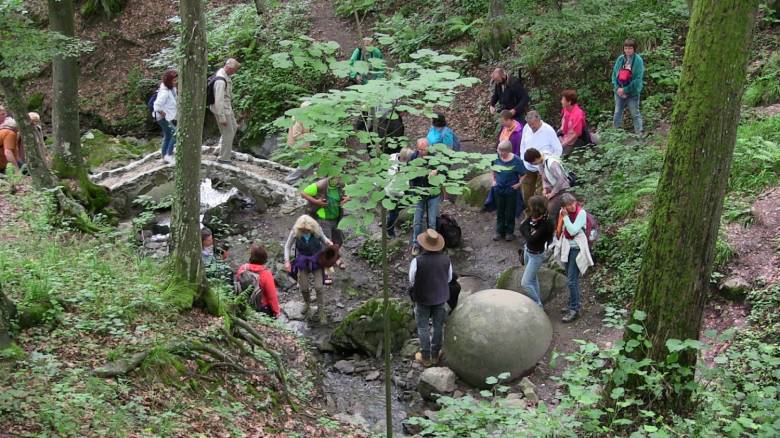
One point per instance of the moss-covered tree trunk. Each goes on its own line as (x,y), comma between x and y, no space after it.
(68,162)
(187,262)
(7,312)
(497,33)
(41,176)
(678,256)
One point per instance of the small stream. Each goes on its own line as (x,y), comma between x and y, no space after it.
(350,398)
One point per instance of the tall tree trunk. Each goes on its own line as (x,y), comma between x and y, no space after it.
(187,262)
(68,162)
(497,33)
(41,176)
(678,256)
(7,312)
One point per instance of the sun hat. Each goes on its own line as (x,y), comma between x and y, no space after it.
(430,240)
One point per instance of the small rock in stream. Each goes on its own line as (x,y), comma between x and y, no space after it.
(294,310)
(373,375)
(345,366)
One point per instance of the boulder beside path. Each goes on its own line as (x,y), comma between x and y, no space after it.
(495,331)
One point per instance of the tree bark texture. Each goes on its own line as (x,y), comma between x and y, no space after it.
(678,256)
(187,261)
(36,162)
(7,313)
(65,97)
(67,161)
(497,33)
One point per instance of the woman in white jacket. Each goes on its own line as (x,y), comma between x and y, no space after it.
(572,251)
(165,112)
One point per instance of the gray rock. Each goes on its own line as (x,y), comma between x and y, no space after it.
(442,379)
(431,415)
(323,344)
(735,287)
(345,366)
(495,331)
(457,394)
(529,390)
(355,419)
(372,375)
(477,191)
(551,283)
(410,348)
(515,401)
(294,310)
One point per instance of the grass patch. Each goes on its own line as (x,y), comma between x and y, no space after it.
(99,148)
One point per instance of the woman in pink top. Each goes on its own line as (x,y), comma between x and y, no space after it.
(574,128)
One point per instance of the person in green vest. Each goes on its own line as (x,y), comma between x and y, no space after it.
(325,199)
(365,53)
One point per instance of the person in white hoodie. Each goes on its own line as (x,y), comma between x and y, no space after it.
(165,112)
(222,108)
(572,251)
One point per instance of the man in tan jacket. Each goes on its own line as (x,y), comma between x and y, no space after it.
(222,109)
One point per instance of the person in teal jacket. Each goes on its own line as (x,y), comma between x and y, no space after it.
(365,53)
(627,76)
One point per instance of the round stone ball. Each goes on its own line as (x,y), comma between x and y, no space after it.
(495,331)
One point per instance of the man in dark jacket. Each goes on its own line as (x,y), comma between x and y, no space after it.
(510,94)
(430,274)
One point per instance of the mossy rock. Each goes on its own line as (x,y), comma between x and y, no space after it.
(477,191)
(551,283)
(99,148)
(362,330)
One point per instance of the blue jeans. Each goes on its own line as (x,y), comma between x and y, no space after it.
(632,102)
(429,207)
(169,136)
(573,275)
(530,281)
(423,315)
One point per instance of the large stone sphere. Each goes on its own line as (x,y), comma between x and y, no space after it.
(495,331)
(551,283)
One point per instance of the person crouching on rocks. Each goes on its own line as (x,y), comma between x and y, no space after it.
(308,240)
(430,274)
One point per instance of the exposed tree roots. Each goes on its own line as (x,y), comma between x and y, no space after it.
(242,336)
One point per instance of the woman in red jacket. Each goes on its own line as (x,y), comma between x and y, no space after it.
(269,300)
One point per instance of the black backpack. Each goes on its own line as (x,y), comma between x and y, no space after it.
(448,227)
(210,89)
(150,103)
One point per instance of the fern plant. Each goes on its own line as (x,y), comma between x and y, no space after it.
(764,89)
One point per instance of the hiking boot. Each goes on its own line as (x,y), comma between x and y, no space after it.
(509,237)
(418,357)
(570,316)
(498,237)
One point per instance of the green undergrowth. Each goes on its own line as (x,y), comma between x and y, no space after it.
(103,303)
(736,394)
(619,179)
(99,148)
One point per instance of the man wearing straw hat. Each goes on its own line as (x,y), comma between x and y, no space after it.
(430,274)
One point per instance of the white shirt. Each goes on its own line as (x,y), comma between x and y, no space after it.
(413,272)
(166,102)
(544,140)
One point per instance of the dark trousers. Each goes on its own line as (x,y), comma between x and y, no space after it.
(392,218)
(506,203)
(425,315)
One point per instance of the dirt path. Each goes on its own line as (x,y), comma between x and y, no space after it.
(327,26)
(757,246)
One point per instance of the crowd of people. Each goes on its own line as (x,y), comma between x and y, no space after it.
(529,182)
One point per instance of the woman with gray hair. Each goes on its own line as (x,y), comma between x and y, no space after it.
(508,169)
(572,250)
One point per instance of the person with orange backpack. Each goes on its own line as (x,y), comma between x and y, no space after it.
(255,281)
(572,250)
